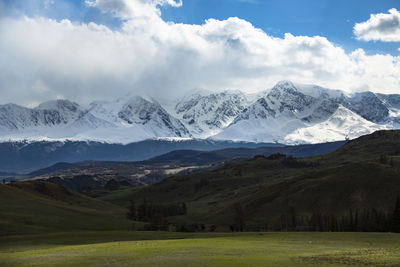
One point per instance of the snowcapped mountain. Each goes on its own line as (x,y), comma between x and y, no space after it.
(50,114)
(14,117)
(207,115)
(50,120)
(391,101)
(368,106)
(135,119)
(292,113)
(288,113)
(342,124)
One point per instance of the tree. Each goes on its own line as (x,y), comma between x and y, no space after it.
(212,228)
(356,221)
(239,217)
(316,221)
(142,211)
(396,217)
(351,220)
(334,227)
(132,215)
(383,159)
(158,222)
(184,208)
(293,218)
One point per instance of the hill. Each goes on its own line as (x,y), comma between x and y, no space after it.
(36,206)
(361,177)
(357,183)
(89,175)
(27,156)
(231,154)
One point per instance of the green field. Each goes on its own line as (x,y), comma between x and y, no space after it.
(207,249)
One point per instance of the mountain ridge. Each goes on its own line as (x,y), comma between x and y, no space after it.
(289,113)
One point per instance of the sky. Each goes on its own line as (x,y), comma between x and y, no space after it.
(87,50)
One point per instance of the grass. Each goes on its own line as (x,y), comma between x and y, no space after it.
(34,207)
(208,249)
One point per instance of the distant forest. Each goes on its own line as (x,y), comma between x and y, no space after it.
(365,220)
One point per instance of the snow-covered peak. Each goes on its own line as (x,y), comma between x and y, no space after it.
(297,110)
(319,92)
(341,125)
(285,85)
(206,115)
(12,106)
(342,113)
(140,111)
(107,110)
(258,110)
(289,112)
(197,91)
(139,117)
(287,100)
(13,116)
(391,101)
(368,106)
(59,104)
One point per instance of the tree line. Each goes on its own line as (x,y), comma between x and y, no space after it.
(354,220)
(155,214)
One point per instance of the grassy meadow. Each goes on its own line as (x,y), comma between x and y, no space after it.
(205,249)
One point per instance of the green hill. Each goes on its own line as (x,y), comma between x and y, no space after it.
(35,206)
(357,183)
(362,177)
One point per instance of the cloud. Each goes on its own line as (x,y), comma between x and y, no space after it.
(129,9)
(380,27)
(41,58)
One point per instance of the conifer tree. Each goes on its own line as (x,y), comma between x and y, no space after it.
(131,215)
(396,217)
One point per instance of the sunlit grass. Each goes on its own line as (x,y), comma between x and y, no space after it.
(177,249)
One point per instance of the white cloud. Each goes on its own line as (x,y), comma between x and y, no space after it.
(380,27)
(42,58)
(128,9)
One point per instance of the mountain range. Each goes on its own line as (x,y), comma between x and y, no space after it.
(288,113)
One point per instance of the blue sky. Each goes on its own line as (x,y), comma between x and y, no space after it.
(333,19)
